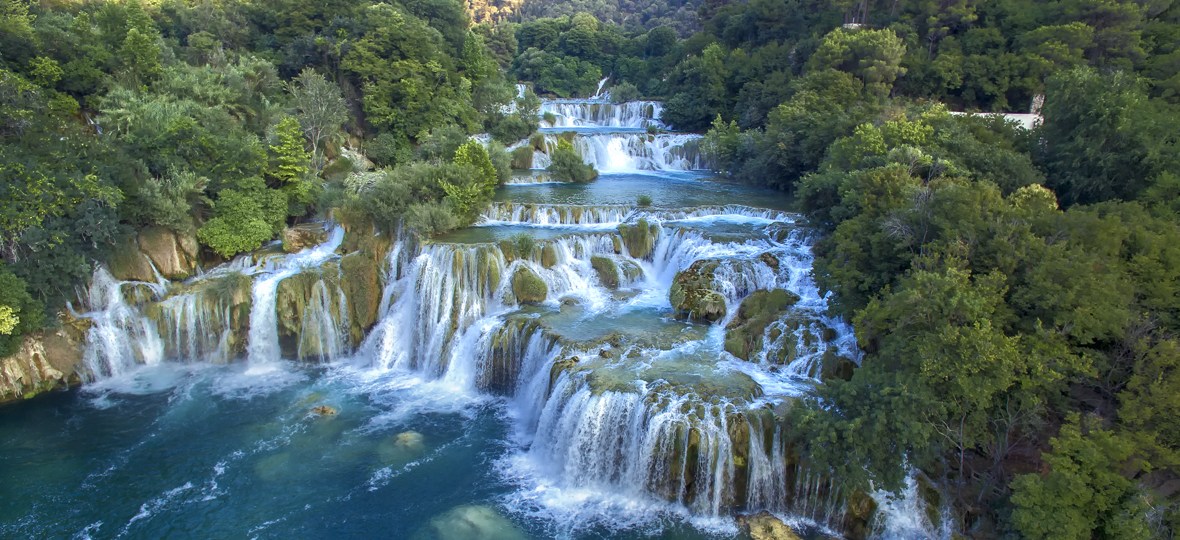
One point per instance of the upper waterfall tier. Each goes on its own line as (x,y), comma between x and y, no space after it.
(616,152)
(574,113)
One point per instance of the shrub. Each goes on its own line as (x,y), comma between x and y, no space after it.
(624,92)
(20,313)
(644,200)
(244,217)
(567,165)
(524,243)
(522,157)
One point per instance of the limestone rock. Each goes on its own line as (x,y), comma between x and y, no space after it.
(324,410)
(764,526)
(128,263)
(164,249)
(743,336)
(640,238)
(528,288)
(359,280)
(300,237)
(692,296)
(469,523)
(45,360)
(607,270)
(548,256)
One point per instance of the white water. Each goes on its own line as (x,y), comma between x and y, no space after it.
(623,152)
(263,347)
(575,113)
(449,327)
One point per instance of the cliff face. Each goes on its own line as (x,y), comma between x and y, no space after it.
(47,359)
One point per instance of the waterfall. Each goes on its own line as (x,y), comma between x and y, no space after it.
(576,113)
(552,214)
(121,336)
(630,152)
(263,346)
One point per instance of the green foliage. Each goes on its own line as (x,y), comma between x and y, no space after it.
(1083,495)
(566,165)
(169,201)
(624,92)
(291,157)
(322,110)
(644,200)
(524,243)
(1104,139)
(873,56)
(244,217)
(19,312)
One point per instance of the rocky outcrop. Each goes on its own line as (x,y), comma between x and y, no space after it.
(308,311)
(764,526)
(607,270)
(300,237)
(128,263)
(528,288)
(360,279)
(640,238)
(46,359)
(174,254)
(744,334)
(692,295)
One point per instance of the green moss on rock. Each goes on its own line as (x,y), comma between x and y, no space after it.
(692,295)
(548,256)
(743,336)
(640,238)
(607,270)
(528,288)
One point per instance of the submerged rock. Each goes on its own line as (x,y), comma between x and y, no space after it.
(470,523)
(607,270)
(324,410)
(528,288)
(692,296)
(764,526)
(744,334)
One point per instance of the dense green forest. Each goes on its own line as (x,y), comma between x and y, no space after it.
(1017,293)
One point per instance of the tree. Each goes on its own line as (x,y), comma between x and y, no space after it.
(19,312)
(1083,495)
(873,56)
(244,217)
(321,109)
(567,166)
(1104,139)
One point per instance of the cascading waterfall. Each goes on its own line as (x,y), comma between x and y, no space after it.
(553,214)
(575,113)
(659,414)
(121,336)
(623,152)
(263,345)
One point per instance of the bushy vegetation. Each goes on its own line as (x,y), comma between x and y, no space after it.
(218,121)
(567,166)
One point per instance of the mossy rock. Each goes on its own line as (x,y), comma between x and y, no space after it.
(859,510)
(528,288)
(292,299)
(629,272)
(640,238)
(508,249)
(549,256)
(361,284)
(692,295)
(743,336)
(537,141)
(835,366)
(128,263)
(607,270)
(522,157)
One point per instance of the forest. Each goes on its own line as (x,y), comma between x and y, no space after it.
(1016,292)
